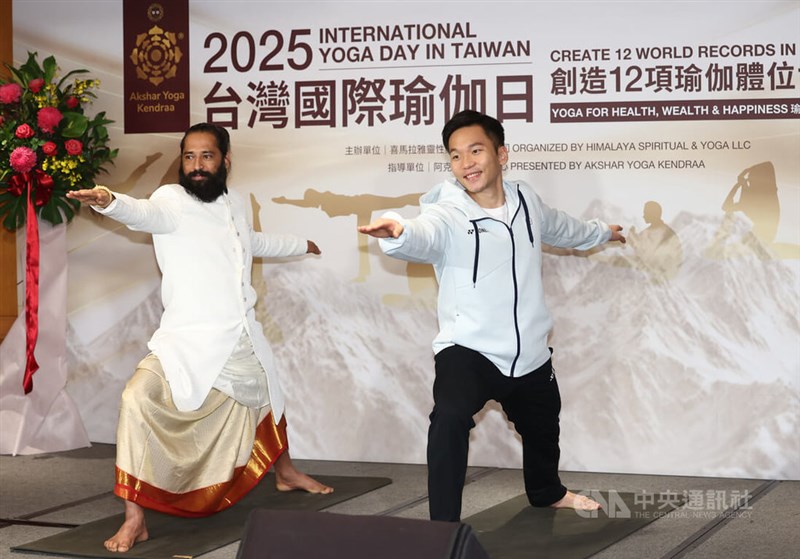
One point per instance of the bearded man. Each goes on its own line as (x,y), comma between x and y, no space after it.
(202,418)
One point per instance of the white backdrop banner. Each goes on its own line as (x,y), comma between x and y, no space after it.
(676,354)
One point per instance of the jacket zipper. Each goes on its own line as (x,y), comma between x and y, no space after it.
(513,266)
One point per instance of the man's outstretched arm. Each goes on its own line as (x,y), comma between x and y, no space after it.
(158,214)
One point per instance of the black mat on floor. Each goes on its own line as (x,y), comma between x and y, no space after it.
(173,537)
(515,530)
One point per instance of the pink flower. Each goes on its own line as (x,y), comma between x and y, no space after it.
(36,85)
(49,148)
(73,147)
(10,93)
(22,159)
(72,102)
(24,132)
(48,118)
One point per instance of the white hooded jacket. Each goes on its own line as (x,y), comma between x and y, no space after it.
(491,297)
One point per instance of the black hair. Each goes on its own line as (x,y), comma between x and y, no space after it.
(220,133)
(490,125)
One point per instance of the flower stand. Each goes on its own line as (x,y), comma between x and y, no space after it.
(46,419)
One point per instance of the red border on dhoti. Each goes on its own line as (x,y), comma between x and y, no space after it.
(270,442)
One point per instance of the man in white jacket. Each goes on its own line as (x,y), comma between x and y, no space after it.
(201,420)
(484,237)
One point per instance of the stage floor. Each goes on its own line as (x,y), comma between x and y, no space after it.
(45,494)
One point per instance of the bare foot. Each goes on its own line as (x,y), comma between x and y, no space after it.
(133,530)
(289,478)
(577,502)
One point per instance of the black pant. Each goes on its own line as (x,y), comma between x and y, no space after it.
(465,381)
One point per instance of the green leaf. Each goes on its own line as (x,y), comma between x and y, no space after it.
(9,223)
(14,211)
(50,68)
(65,207)
(50,213)
(19,77)
(72,73)
(74,125)
(30,69)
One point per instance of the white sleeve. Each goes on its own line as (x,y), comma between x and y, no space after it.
(560,229)
(158,214)
(424,237)
(273,245)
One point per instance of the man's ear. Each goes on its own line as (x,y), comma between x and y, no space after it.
(502,154)
(228,161)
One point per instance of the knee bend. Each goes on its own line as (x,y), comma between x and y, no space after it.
(451,417)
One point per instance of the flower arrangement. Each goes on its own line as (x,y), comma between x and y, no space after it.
(47,144)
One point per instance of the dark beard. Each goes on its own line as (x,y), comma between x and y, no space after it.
(206,190)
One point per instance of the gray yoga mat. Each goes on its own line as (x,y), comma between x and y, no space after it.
(183,538)
(515,530)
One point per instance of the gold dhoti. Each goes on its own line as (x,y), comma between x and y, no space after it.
(192,463)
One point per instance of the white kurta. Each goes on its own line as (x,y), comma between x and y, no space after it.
(205,252)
